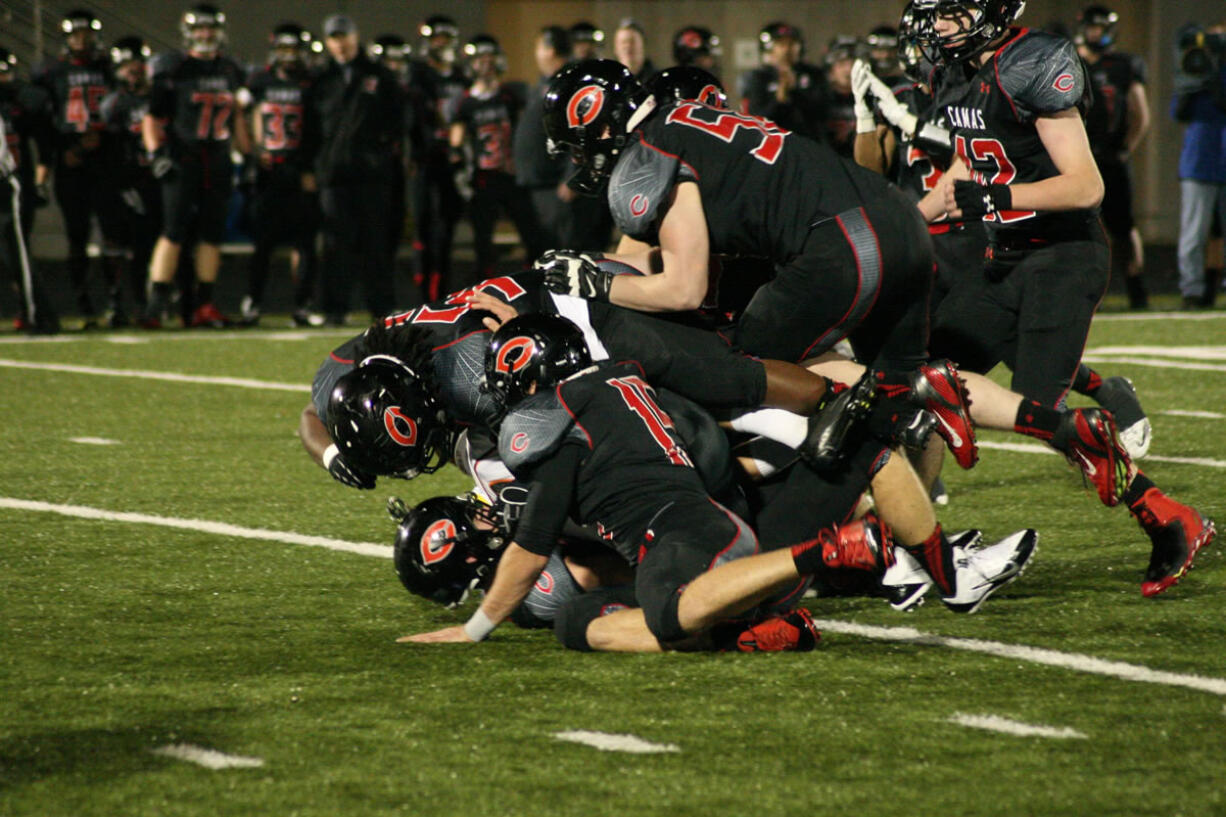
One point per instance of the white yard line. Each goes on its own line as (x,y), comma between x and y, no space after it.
(208,758)
(156,337)
(142,374)
(1188,352)
(1016,652)
(606,742)
(205,526)
(1200,415)
(1211,315)
(93,441)
(1154,362)
(995,723)
(1035,448)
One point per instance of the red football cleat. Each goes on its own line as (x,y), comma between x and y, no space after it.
(1177,532)
(1094,446)
(866,544)
(210,316)
(791,632)
(938,389)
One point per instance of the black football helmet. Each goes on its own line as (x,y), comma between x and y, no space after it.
(389,47)
(778,30)
(385,422)
(203,28)
(693,42)
(8,61)
(686,83)
(844,47)
(983,22)
(910,53)
(130,49)
(289,44)
(585,32)
(440,33)
(882,44)
(538,348)
(587,111)
(80,20)
(445,547)
(1104,18)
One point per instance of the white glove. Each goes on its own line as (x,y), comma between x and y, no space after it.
(866,122)
(894,111)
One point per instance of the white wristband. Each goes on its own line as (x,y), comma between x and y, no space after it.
(479,626)
(330,453)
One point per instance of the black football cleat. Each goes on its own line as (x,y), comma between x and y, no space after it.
(832,427)
(983,571)
(1177,532)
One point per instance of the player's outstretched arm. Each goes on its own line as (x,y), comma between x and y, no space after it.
(685,250)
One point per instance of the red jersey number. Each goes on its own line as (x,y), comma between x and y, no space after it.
(506,287)
(637,396)
(81,109)
(725,125)
(282,126)
(215,108)
(492,142)
(983,150)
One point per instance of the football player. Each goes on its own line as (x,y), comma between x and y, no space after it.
(85,159)
(840,124)
(192,122)
(630,49)
(481,138)
(1116,122)
(25,121)
(1025,167)
(437,203)
(697,46)
(123,111)
(282,210)
(586,40)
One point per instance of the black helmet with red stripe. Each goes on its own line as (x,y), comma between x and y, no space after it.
(980,23)
(693,42)
(385,421)
(588,110)
(686,83)
(445,547)
(539,349)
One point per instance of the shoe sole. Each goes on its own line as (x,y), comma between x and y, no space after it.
(1206,535)
(907,598)
(1029,545)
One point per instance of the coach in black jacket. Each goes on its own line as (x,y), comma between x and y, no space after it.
(354,131)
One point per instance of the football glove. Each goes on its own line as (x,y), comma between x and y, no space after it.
(161,165)
(888,105)
(979,200)
(866,122)
(574,273)
(345,473)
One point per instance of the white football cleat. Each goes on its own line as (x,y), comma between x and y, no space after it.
(906,582)
(984,571)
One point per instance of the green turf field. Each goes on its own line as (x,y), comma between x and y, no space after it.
(120,636)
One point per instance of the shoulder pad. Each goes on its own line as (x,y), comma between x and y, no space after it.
(640,182)
(535,429)
(459,368)
(165,63)
(1042,74)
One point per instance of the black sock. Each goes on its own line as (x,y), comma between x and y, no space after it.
(204,292)
(1086,381)
(937,556)
(1036,420)
(1136,490)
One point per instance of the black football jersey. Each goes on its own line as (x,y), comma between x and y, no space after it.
(808,105)
(26,111)
(761,186)
(489,121)
(441,97)
(917,166)
(123,112)
(840,124)
(196,96)
(276,104)
(633,463)
(1112,77)
(993,118)
(76,88)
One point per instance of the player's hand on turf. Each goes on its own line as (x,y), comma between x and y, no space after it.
(574,273)
(451,635)
(345,473)
(501,312)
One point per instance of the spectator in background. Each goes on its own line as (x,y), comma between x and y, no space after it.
(630,49)
(25,122)
(1200,101)
(437,203)
(841,114)
(586,41)
(784,89)
(481,139)
(191,125)
(698,47)
(882,44)
(354,130)
(140,195)
(85,161)
(542,175)
(1115,124)
(392,52)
